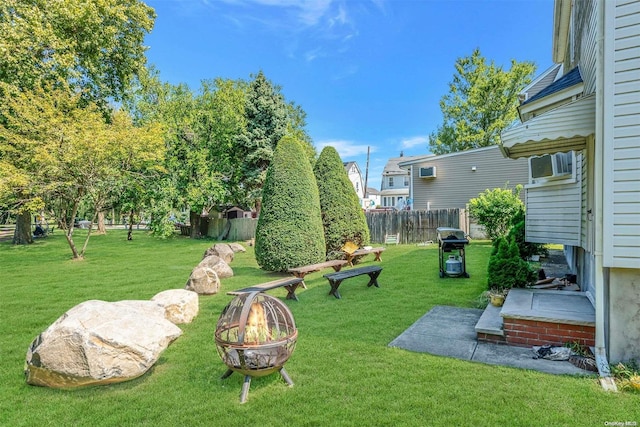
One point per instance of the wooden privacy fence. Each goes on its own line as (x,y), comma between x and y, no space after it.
(414,226)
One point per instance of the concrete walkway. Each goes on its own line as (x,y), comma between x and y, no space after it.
(450,331)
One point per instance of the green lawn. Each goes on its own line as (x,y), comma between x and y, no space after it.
(343,371)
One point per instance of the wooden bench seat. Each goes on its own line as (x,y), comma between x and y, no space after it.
(302,271)
(351,255)
(289,283)
(335,279)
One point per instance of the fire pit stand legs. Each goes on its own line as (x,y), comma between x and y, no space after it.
(247,382)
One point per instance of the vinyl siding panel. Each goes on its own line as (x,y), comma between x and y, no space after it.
(622,135)
(455,183)
(584,201)
(583,43)
(554,214)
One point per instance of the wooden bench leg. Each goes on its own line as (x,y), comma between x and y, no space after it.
(350,260)
(291,291)
(301,276)
(334,288)
(373,281)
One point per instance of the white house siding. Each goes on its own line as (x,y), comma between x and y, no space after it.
(456,183)
(554,213)
(622,135)
(585,25)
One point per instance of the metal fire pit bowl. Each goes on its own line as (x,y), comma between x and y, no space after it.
(255,336)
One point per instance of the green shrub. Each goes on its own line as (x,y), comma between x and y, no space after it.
(495,210)
(342,216)
(289,231)
(517,233)
(506,269)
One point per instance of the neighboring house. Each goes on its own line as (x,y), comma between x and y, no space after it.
(581,134)
(394,191)
(373,198)
(353,171)
(450,180)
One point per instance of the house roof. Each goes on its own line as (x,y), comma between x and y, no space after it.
(572,78)
(421,159)
(541,82)
(373,191)
(392,168)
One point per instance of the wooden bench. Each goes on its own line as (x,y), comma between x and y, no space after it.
(351,255)
(289,283)
(336,278)
(302,271)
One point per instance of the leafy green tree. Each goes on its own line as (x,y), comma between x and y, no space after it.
(63,151)
(96,47)
(482,101)
(495,210)
(289,231)
(342,216)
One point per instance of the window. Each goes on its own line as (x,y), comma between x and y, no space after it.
(390,181)
(406,181)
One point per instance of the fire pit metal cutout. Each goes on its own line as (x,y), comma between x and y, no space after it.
(255,336)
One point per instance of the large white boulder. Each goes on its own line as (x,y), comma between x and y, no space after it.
(221,250)
(98,342)
(237,247)
(203,281)
(180,305)
(217,264)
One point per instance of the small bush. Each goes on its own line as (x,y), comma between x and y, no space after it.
(495,210)
(289,232)
(506,269)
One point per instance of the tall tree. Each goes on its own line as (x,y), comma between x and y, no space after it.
(66,153)
(482,101)
(266,123)
(96,47)
(90,48)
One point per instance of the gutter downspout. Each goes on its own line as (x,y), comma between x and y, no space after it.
(606,381)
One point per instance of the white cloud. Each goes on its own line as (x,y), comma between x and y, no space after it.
(345,149)
(415,141)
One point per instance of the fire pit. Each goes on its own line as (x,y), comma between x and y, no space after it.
(255,336)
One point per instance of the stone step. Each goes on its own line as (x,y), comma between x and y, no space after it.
(490,322)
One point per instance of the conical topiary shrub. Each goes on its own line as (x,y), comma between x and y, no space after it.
(342,216)
(506,269)
(289,231)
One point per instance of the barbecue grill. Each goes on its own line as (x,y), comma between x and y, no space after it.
(450,240)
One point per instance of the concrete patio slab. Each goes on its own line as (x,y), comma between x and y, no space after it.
(450,331)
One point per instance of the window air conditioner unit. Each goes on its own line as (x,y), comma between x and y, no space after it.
(551,166)
(429,172)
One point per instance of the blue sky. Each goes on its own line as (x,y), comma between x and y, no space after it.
(369,73)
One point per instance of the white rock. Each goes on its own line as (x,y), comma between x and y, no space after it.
(203,281)
(217,264)
(180,305)
(98,342)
